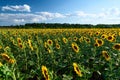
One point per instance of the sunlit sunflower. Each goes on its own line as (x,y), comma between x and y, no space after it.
(97,33)
(1,64)
(100,42)
(45,44)
(77,70)
(96,45)
(19,40)
(75,39)
(87,40)
(103,36)
(20,45)
(12,61)
(5,56)
(50,42)
(64,40)
(49,50)
(57,46)
(81,39)
(45,72)
(105,55)
(111,38)
(75,47)
(116,46)
(30,44)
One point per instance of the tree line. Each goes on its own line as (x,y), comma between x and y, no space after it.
(59,25)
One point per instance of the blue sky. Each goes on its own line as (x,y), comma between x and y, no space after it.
(15,12)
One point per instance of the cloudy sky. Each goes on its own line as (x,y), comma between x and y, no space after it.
(14,12)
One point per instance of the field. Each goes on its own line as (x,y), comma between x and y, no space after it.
(60,54)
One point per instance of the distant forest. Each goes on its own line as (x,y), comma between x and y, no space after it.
(58,25)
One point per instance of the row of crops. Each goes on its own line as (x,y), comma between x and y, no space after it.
(59,54)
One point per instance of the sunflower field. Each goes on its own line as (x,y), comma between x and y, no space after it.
(60,54)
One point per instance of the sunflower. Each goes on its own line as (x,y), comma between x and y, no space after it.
(87,40)
(19,40)
(57,46)
(103,36)
(5,56)
(45,72)
(100,42)
(96,44)
(12,61)
(50,42)
(1,64)
(75,47)
(30,44)
(45,44)
(20,45)
(105,55)
(77,70)
(116,46)
(111,38)
(97,33)
(81,39)
(75,39)
(49,50)
(64,40)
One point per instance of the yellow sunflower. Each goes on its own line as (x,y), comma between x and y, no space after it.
(19,40)
(116,46)
(64,40)
(45,72)
(75,38)
(75,47)
(111,38)
(105,55)
(5,56)
(12,61)
(57,46)
(77,70)
(50,42)
(100,42)
(20,45)
(1,64)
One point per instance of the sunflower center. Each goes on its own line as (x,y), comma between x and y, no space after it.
(75,47)
(99,41)
(110,37)
(117,46)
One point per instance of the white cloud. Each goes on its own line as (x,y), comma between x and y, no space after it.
(22,8)
(111,15)
(18,20)
(51,15)
(22,18)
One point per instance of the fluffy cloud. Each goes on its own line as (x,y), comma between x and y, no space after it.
(22,8)
(22,18)
(108,16)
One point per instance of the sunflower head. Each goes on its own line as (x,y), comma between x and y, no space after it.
(45,72)
(75,47)
(100,42)
(64,40)
(5,56)
(57,46)
(1,64)
(19,40)
(106,55)
(111,38)
(50,42)
(77,70)
(20,45)
(12,61)
(116,46)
